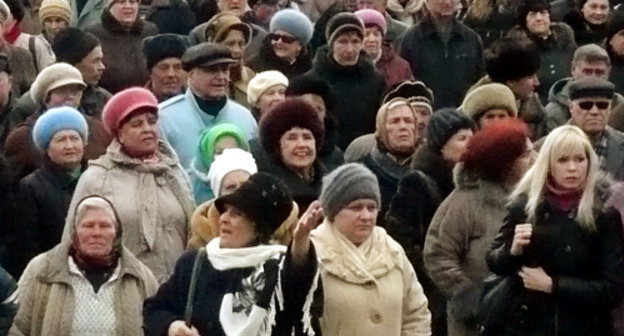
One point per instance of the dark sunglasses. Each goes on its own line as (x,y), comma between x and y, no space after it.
(587,105)
(285,38)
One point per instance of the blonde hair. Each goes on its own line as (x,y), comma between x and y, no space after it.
(564,139)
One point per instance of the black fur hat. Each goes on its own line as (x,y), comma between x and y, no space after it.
(508,59)
(157,48)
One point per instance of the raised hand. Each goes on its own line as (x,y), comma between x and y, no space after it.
(522,238)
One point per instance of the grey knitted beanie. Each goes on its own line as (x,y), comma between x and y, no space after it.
(346,184)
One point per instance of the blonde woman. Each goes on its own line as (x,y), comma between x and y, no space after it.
(562,243)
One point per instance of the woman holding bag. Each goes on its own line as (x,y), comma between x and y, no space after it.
(563,244)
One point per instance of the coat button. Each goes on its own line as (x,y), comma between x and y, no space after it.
(376,317)
(568,248)
(369,285)
(546,215)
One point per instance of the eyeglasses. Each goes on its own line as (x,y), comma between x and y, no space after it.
(588,105)
(285,38)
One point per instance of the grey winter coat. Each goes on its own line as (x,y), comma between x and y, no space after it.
(457,241)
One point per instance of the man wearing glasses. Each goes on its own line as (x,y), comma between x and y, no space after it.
(590,108)
(589,60)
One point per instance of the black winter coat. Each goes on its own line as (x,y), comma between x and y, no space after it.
(359,90)
(586,268)
(169,302)
(45,194)
(447,69)
(123,52)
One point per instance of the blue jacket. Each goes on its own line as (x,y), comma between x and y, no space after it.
(182,121)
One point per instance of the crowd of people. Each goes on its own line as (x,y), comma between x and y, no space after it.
(325,167)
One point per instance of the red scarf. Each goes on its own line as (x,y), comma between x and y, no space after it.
(562,198)
(13,34)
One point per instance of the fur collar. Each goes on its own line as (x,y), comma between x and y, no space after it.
(491,193)
(433,165)
(561,37)
(112,25)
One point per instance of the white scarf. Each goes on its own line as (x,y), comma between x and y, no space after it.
(260,320)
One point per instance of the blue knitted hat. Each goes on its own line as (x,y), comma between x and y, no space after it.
(55,120)
(294,23)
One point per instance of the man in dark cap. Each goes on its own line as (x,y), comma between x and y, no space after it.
(590,107)
(205,102)
(359,88)
(82,50)
(163,54)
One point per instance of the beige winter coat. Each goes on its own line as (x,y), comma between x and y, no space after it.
(47,298)
(154,203)
(374,295)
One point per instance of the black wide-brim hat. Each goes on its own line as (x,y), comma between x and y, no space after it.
(264,199)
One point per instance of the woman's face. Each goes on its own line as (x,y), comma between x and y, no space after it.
(52,25)
(223,143)
(66,95)
(357,220)
(372,41)
(96,233)
(491,116)
(617,43)
(235,41)
(569,170)
(139,134)
(596,11)
(456,145)
(235,229)
(66,148)
(285,45)
(271,98)
(232,181)
(125,11)
(298,149)
(317,102)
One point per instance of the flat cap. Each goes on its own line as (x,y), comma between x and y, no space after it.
(205,55)
(591,87)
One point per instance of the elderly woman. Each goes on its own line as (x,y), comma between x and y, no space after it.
(291,135)
(369,286)
(466,223)
(561,245)
(212,142)
(89,284)
(420,193)
(59,84)
(285,49)
(589,21)
(265,91)
(121,32)
(60,135)
(141,175)
(242,285)
(394,68)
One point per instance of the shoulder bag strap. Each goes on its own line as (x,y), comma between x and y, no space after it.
(188,311)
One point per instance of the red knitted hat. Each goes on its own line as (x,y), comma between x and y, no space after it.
(124,103)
